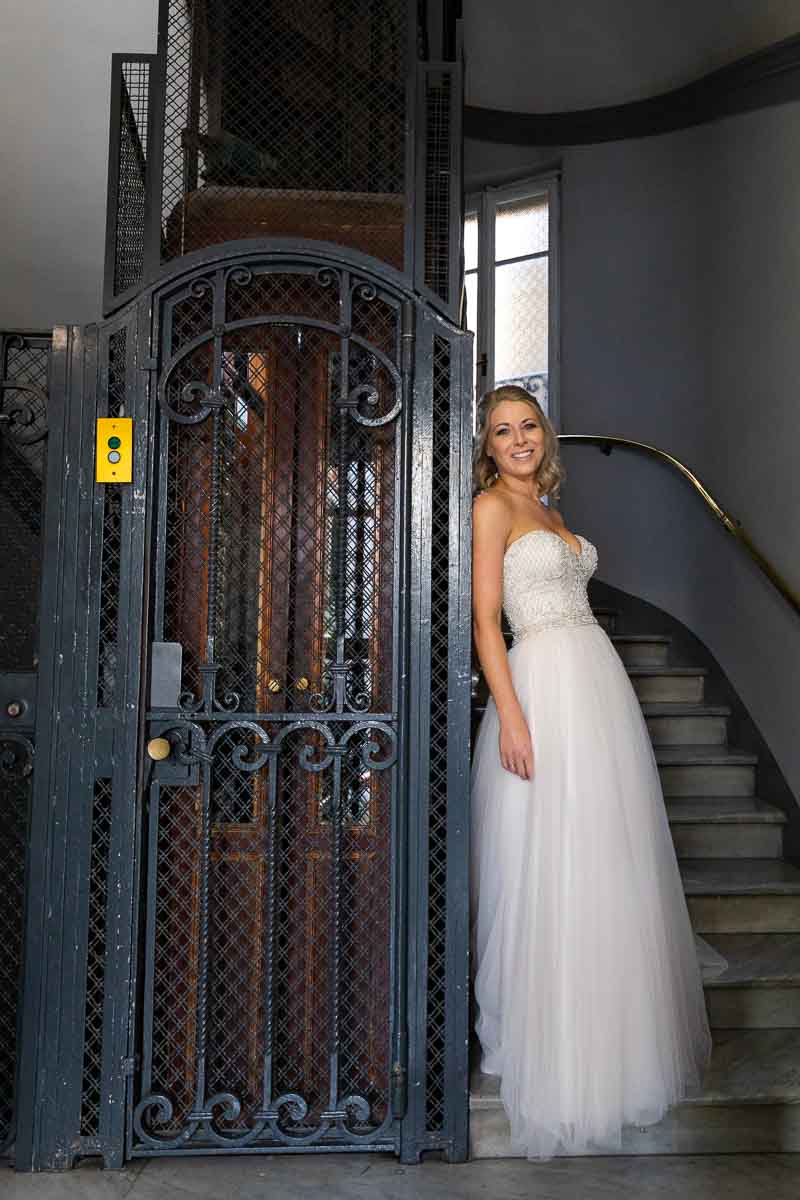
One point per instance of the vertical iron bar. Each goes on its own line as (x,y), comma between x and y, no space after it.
(335,930)
(269,935)
(199,1112)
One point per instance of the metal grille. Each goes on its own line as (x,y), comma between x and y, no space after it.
(23,431)
(114,403)
(438,183)
(95,960)
(24,360)
(438,788)
(275,570)
(285,119)
(16,765)
(131,182)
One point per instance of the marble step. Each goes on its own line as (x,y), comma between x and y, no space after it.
(725,827)
(706,770)
(761,987)
(678,724)
(642,649)
(742,895)
(679,684)
(606,616)
(749,1101)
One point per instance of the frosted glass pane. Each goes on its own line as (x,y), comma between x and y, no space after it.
(471,286)
(471,243)
(521,321)
(521,227)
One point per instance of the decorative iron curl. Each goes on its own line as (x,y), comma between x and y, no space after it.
(357,701)
(357,1108)
(210,398)
(19,414)
(239,755)
(201,287)
(364,290)
(371,747)
(228,702)
(367,393)
(241,276)
(327,277)
(163,1111)
(16,755)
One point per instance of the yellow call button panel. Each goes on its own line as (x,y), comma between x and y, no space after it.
(114,450)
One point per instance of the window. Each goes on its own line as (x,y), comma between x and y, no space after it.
(510,261)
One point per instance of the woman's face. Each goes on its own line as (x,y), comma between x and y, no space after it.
(516,439)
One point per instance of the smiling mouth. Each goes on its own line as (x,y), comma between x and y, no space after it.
(522,454)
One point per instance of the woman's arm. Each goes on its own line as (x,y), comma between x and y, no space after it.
(490,528)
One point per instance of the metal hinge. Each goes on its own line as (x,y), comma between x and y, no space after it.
(399,1090)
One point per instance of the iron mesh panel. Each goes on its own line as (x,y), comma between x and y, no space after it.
(438,183)
(112,532)
(132,177)
(438,795)
(23,451)
(337,517)
(24,362)
(16,765)
(283,119)
(91,1083)
(276,560)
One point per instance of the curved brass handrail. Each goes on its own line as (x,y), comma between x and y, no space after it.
(734,527)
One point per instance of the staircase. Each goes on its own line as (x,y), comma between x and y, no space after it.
(743,898)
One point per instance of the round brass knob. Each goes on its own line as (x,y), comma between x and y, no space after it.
(14,709)
(302,684)
(159,748)
(274,685)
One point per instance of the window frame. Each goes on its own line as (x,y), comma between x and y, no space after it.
(483,204)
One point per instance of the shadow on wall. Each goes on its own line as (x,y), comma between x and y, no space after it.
(658,541)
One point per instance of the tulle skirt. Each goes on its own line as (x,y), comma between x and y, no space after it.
(587,973)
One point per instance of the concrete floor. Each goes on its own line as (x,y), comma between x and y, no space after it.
(363,1177)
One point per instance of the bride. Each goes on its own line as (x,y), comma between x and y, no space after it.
(588,982)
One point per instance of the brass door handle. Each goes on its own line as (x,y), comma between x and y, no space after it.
(273,685)
(159,748)
(302,684)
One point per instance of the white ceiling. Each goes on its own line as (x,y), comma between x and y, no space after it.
(559,55)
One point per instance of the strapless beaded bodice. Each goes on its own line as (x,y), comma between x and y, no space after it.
(544,582)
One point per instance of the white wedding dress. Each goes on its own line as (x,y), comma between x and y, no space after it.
(587,974)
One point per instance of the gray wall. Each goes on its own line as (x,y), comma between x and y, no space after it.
(55,79)
(680,308)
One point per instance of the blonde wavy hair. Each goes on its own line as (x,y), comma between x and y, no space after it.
(551,472)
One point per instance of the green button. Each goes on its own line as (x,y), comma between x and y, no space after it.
(114,442)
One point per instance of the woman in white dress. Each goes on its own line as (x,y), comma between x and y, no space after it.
(587,979)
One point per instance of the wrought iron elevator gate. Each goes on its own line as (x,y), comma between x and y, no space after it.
(272,1007)
(246,924)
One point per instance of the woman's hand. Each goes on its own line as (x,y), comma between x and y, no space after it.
(516,747)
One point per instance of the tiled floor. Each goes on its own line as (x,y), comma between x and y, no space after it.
(363,1177)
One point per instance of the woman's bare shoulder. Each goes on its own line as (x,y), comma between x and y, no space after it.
(490,508)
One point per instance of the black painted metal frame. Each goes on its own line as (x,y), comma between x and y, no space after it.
(24,417)
(84,1088)
(89,742)
(433,169)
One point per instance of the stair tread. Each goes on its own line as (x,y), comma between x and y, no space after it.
(756,959)
(748,1066)
(655,669)
(739,876)
(681,708)
(701,755)
(660,638)
(724,810)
